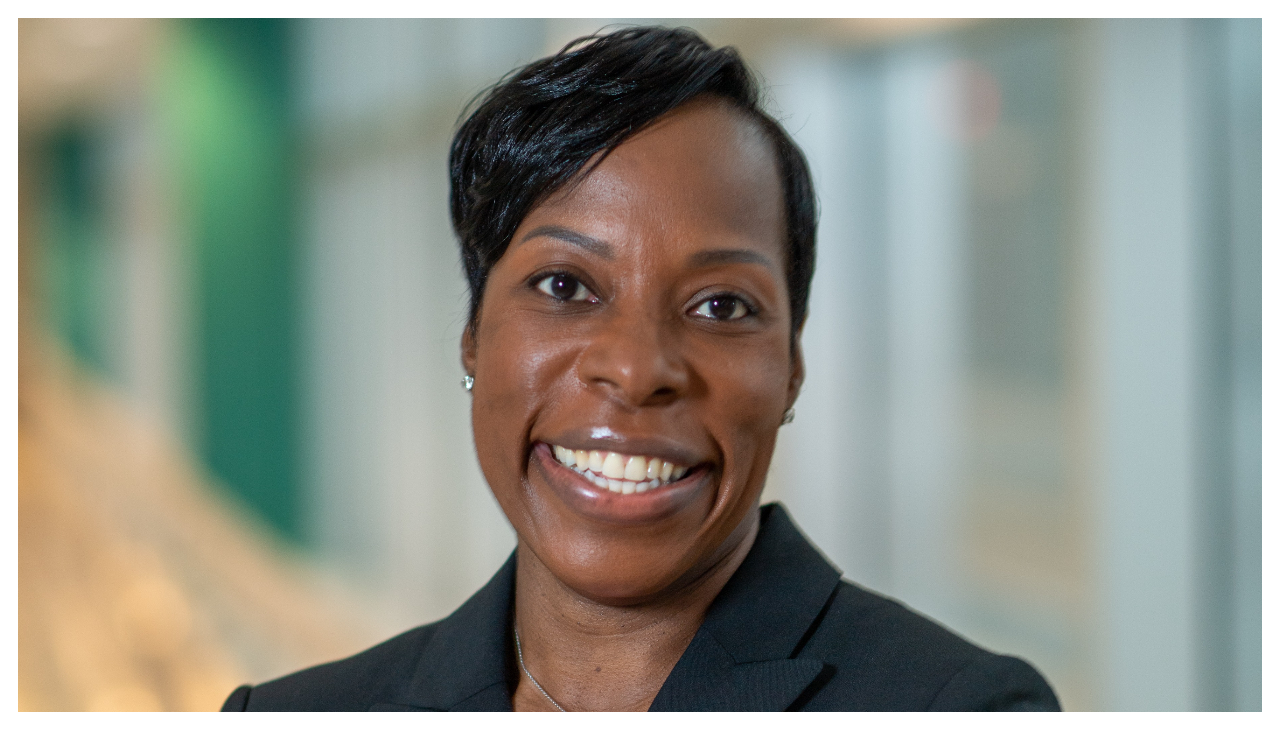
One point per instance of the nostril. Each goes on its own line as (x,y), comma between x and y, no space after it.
(634,365)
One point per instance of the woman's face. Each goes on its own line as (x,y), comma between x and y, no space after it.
(632,358)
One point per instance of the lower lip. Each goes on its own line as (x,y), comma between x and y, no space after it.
(595,503)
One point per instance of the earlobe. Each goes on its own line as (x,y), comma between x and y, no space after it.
(469,349)
(797,377)
(797,370)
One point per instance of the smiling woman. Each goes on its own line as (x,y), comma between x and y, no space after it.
(639,240)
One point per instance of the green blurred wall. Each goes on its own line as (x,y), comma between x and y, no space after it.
(226,108)
(74,268)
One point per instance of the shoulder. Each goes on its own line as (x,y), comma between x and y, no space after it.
(455,663)
(887,657)
(353,684)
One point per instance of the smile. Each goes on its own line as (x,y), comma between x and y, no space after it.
(621,473)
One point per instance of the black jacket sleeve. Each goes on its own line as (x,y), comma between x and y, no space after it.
(995,682)
(238,701)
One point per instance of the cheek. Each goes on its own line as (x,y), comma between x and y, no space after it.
(756,374)
(517,370)
(748,386)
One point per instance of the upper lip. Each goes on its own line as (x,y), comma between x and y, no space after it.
(662,447)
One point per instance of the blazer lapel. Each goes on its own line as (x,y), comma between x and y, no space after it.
(744,655)
(464,666)
(708,679)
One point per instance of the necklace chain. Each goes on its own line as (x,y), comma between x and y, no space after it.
(520,658)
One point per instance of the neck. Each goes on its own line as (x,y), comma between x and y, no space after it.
(592,656)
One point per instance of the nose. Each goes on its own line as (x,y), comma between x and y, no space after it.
(635,361)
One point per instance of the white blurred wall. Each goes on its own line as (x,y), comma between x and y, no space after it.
(397,499)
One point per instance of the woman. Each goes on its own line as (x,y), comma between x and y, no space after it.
(639,240)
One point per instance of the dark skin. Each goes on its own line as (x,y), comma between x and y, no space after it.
(642,310)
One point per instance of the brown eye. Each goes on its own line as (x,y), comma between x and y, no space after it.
(722,307)
(563,287)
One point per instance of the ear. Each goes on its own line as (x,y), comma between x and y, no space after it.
(797,370)
(469,349)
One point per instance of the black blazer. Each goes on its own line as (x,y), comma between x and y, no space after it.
(786,633)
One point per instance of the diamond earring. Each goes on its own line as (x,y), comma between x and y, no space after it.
(468,382)
(788,416)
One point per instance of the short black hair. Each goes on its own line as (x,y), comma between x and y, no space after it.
(536,129)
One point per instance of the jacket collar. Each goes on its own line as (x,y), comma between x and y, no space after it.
(464,664)
(743,657)
(744,654)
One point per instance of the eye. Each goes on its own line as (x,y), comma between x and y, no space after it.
(723,308)
(563,287)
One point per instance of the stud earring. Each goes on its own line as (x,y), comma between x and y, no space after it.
(788,416)
(468,382)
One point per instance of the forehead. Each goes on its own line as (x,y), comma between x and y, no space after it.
(705,169)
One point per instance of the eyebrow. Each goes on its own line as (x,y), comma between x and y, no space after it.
(729,256)
(593,245)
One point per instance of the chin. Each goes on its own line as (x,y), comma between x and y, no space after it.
(622,580)
(622,566)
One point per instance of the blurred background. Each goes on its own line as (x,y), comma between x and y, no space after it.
(1033,406)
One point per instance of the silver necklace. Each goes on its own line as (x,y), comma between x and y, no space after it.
(520,658)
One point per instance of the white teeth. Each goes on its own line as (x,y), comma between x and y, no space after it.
(620,473)
(565,456)
(614,467)
(636,467)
